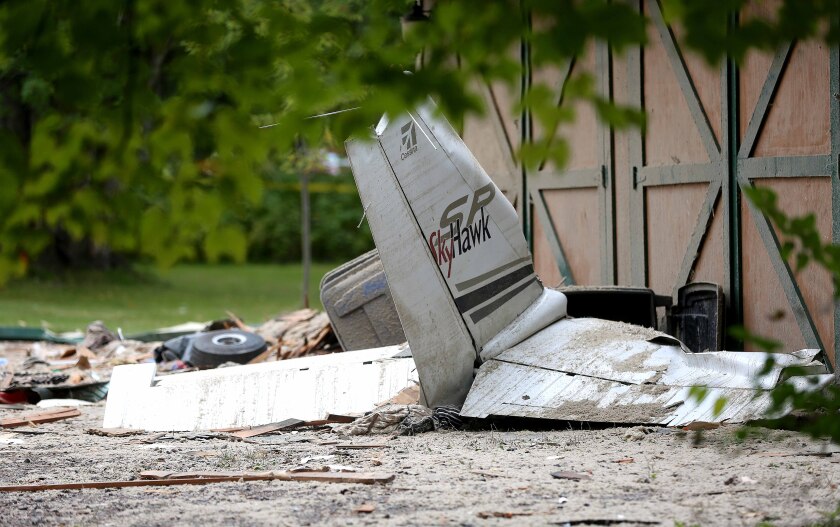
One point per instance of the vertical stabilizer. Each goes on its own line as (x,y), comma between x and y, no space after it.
(457,263)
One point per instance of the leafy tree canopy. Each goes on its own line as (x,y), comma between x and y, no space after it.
(135,125)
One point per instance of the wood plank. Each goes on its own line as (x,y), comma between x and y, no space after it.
(581,178)
(576,218)
(267,429)
(160,478)
(768,90)
(670,136)
(788,166)
(707,82)
(798,120)
(753,70)
(545,264)
(635,160)
(672,215)
(311,475)
(712,264)
(675,58)
(361,446)
(679,174)
(581,135)
(694,244)
(549,231)
(622,176)
(606,189)
(40,417)
(796,305)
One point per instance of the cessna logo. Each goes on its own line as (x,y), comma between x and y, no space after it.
(409,139)
(452,239)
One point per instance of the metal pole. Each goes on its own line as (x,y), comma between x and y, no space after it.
(306,246)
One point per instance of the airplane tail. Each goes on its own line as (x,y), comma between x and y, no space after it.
(456,260)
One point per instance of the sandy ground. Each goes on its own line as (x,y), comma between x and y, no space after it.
(442,478)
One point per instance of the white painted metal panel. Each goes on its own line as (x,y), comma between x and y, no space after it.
(506,389)
(465,220)
(306,388)
(597,370)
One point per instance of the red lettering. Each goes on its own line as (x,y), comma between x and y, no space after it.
(435,254)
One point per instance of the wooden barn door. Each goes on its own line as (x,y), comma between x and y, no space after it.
(678,168)
(572,209)
(788,142)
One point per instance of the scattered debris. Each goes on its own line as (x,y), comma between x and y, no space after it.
(624,460)
(114,432)
(212,349)
(700,425)
(267,429)
(62,403)
(324,457)
(42,417)
(318,476)
(488,474)
(408,395)
(15,399)
(160,478)
(794,454)
(605,521)
(8,438)
(734,480)
(365,508)
(637,433)
(574,476)
(388,420)
(360,446)
(298,334)
(497,514)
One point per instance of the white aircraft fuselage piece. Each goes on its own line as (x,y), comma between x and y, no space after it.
(462,279)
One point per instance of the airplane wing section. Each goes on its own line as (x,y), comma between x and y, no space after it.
(596,370)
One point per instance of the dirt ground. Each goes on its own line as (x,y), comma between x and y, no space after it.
(664,476)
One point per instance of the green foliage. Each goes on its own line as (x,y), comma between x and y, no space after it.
(707,32)
(274,232)
(145,298)
(134,126)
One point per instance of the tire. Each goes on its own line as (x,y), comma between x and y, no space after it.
(214,348)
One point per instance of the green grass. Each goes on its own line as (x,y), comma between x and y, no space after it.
(146,299)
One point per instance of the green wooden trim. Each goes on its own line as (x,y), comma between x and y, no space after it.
(704,219)
(551,235)
(701,119)
(582,178)
(768,91)
(565,74)
(730,127)
(790,166)
(834,93)
(636,158)
(784,273)
(655,176)
(606,192)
